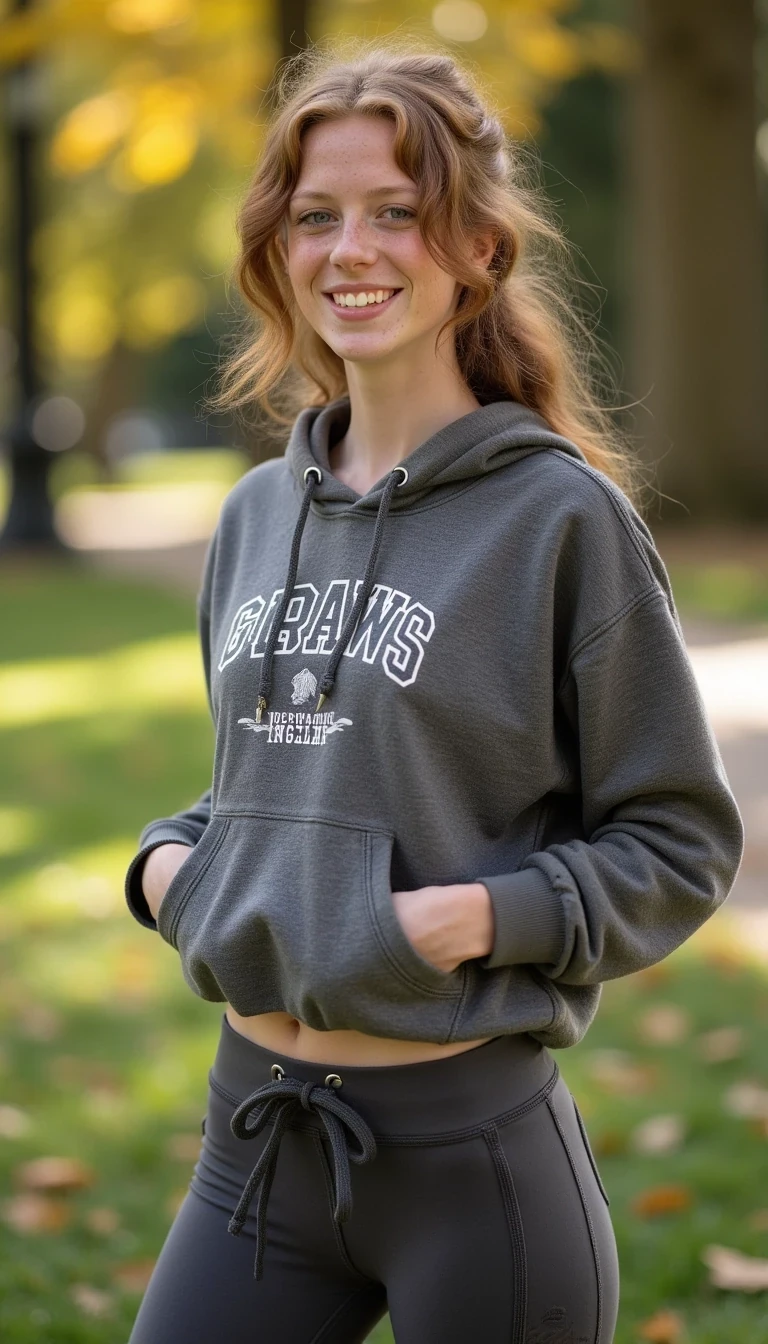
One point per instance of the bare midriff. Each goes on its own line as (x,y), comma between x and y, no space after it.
(286,1035)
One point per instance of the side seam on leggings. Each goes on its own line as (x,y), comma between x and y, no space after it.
(516,1235)
(588,1216)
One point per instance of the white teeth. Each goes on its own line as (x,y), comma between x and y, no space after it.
(363,299)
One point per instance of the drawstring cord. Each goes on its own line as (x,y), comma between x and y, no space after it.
(282,1099)
(329,674)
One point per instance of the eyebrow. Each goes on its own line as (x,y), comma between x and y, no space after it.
(375,191)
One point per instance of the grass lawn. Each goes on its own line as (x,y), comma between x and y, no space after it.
(104,1051)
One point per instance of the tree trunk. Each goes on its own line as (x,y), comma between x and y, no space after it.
(699,343)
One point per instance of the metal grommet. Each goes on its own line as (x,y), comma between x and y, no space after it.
(317,472)
(277,1073)
(404,470)
(332,1080)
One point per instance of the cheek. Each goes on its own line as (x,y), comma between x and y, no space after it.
(433,287)
(304,261)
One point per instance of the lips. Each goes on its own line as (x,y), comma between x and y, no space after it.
(366,310)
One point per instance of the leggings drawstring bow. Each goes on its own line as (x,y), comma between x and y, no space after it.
(279,1101)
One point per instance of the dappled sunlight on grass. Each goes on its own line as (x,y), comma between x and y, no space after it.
(86,884)
(156,673)
(104,1049)
(20,828)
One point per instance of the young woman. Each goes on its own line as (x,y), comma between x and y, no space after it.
(463,774)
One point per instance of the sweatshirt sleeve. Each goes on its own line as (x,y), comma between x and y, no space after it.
(664,835)
(187,826)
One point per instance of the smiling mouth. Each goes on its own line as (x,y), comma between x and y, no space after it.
(364,309)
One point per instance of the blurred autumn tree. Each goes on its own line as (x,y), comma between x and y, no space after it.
(155,111)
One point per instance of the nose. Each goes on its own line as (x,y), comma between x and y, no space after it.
(355,244)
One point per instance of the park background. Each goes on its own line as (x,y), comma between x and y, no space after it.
(129,128)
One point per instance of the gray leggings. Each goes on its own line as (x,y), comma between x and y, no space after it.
(460,1194)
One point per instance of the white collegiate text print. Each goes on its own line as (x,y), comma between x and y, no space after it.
(392,630)
(300,729)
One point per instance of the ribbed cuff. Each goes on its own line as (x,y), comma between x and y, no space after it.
(169,832)
(529,919)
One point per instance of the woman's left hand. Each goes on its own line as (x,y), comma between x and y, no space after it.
(447,925)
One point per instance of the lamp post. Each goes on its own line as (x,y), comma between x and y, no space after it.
(29,523)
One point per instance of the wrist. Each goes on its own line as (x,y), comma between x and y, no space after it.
(480,920)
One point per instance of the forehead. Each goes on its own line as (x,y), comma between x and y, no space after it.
(355,151)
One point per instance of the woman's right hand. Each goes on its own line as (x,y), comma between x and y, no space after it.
(160,865)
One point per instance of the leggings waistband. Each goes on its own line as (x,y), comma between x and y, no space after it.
(432,1098)
(436,1101)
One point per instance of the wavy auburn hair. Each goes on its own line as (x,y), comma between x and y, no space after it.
(517,327)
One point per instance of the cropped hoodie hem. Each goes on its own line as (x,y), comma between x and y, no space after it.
(475,667)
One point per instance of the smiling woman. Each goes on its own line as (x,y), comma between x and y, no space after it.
(452,791)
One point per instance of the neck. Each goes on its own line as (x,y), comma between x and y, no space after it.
(390,418)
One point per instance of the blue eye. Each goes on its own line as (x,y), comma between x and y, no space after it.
(307,218)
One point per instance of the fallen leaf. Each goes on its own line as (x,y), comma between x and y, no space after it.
(134,1275)
(609,1141)
(747,1099)
(724,1043)
(660,1199)
(54,1173)
(616,1071)
(665,1327)
(659,1134)
(36,1213)
(730,1269)
(652,976)
(729,960)
(102,1220)
(65,1070)
(91,1301)
(13,1122)
(39,1022)
(184,1147)
(664,1024)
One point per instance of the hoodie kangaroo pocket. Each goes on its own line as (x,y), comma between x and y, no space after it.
(296,915)
(186,877)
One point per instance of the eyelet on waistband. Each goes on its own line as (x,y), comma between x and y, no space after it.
(332,1080)
(277,1073)
(317,471)
(404,470)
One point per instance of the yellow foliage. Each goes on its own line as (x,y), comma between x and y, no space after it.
(89,132)
(544,48)
(164,138)
(161,152)
(147,16)
(80,316)
(20,35)
(162,309)
(215,234)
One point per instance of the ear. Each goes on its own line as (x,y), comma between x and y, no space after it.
(484,246)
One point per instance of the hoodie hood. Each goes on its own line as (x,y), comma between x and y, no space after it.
(483,440)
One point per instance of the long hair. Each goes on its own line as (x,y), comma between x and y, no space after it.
(518,329)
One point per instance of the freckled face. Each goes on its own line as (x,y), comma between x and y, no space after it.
(361,228)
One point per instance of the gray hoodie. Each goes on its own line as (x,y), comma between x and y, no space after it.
(473,672)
